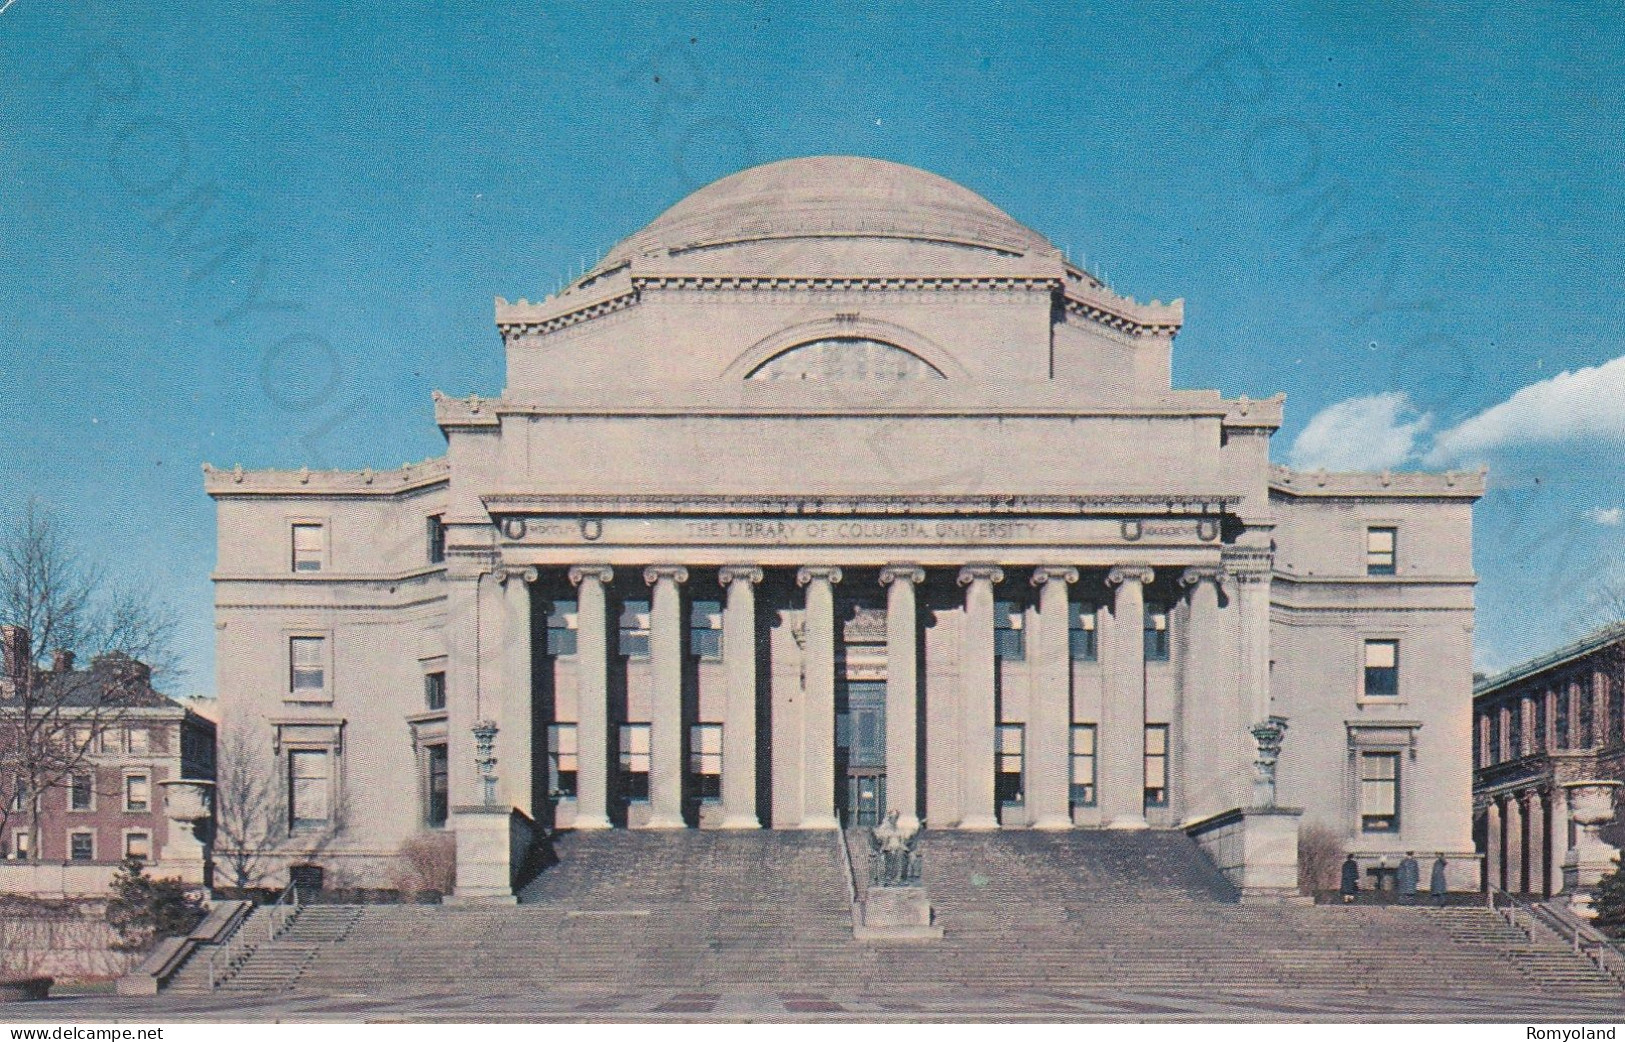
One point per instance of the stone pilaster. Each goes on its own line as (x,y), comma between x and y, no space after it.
(1204,711)
(519,784)
(1251,575)
(1122,718)
(818,702)
(902,688)
(592,695)
(739,720)
(1049,713)
(666,665)
(978,684)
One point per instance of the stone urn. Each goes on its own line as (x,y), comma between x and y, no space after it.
(1591,806)
(189,803)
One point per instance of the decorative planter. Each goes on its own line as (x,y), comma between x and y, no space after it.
(1591,806)
(188,800)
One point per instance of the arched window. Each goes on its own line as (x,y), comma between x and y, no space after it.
(845,358)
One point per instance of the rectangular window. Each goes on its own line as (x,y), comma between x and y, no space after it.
(1587,715)
(434,690)
(1381,668)
(635,761)
(1495,736)
(562,760)
(137,793)
(82,846)
(1156,765)
(82,791)
(1561,698)
(1540,724)
(1379,792)
(137,845)
(136,740)
(635,629)
(437,539)
(1007,783)
(309,547)
(1616,710)
(437,787)
(307,665)
(1081,632)
(20,850)
(1009,639)
(562,620)
(310,789)
(1156,634)
(1381,547)
(705,760)
(705,630)
(1515,729)
(1083,765)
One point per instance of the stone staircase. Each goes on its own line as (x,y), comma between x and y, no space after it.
(274,964)
(1022,911)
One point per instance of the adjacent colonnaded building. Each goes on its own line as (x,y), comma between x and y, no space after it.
(837,490)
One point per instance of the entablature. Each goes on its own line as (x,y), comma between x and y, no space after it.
(1387,484)
(410,477)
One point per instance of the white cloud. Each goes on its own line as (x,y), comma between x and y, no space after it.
(1612,517)
(1585,404)
(1371,433)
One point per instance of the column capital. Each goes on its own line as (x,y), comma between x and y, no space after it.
(1130,573)
(601,573)
(525,573)
(1045,574)
(746,573)
(1200,573)
(656,572)
(911,573)
(980,572)
(812,572)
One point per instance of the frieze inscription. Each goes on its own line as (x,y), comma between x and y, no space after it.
(850,531)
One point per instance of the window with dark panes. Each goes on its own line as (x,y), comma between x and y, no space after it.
(634,629)
(82,791)
(562,760)
(1083,765)
(1515,729)
(434,690)
(307,664)
(1540,723)
(1560,699)
(1156,765)
(437,539)
(82,846)
(1381,551)
(1157,644)
(1381,668)
(1081,637)
(705,630)
(1495,736)
(635,761)
(1587,718)
(1009,639)
(705,760)
(562,623)
(1008,782)
(437,787)
(137,793)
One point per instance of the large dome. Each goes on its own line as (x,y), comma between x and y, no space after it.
(838,196)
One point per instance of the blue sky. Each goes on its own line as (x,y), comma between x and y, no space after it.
(1409,221)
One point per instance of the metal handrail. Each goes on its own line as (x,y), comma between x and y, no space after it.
(1588,941)
(226,957)
(282,912)
(1508,909)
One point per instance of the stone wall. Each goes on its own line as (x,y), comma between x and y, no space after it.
(68,940)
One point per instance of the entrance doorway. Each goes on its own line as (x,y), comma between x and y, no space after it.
(860,753)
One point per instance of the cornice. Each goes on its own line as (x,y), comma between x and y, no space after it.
(502,503)
(327,483)
(1295,579)
(1387,484)
(1124,314)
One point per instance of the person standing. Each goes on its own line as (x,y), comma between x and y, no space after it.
(1351,880)
(1409,877)
(1439,885)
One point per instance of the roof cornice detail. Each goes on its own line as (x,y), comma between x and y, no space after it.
(1387,484)
(1124,314)
(1555,659)
(304,481)
(513,502)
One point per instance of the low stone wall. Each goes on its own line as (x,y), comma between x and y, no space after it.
(56,879)
(68,940)
(1256,849)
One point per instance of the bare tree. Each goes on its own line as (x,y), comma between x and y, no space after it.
(53,722)
(250,819)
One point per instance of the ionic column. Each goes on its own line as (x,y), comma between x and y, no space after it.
(978,682)
(1494,849)
(1049,714)
(592,695)
(516,765)
(1202,709)
(1122,718)
(1514,844)
(902,687)
(818,702)
(1558,824)
(739,714)
(666,665)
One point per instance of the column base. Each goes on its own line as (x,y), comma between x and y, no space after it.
(986,823)
(586,824)
(740,822)
(1129,822)
(666,823)
(819,821)
(1052,824)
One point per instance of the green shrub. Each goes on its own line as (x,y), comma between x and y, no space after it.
(144,911)
(1609,901)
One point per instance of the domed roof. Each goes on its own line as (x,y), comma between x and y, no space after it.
(830,196)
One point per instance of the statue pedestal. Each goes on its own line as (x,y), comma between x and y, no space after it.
(895,913)
(1591,806)
(488,839)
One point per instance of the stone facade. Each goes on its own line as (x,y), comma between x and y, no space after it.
(1538,727)
(836,490)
